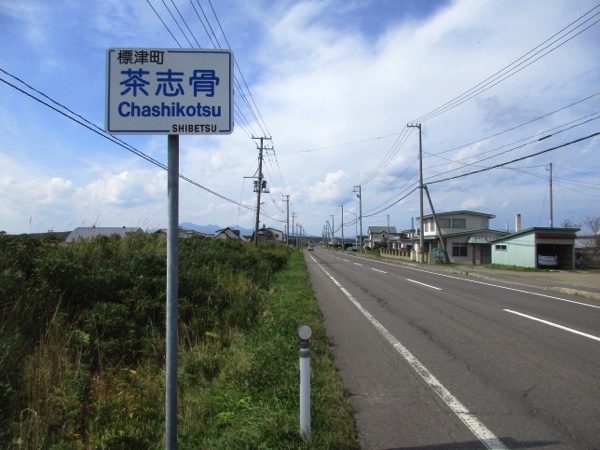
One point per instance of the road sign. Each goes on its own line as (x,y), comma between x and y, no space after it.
(169,91)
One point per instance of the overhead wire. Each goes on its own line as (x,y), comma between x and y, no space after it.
(485,169)
(553,132)
(514,67)
(75,117)
(389,156)
(516,127)
(244,94)
(498,77)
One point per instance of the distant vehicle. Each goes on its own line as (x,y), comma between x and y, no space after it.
(547,260)
(311,248)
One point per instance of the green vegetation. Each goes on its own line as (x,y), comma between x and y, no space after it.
(82,347)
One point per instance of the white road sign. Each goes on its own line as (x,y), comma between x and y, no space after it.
(169,91)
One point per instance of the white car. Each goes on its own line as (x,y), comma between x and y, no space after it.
(547,260)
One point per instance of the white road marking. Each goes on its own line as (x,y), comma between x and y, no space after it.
(480,431)
(377,270)
(423,284)
(357,264)
(552,324)
(487,284)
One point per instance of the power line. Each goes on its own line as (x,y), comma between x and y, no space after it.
(343,145)
(523,143)
(513,68)
(517,159)
(518,126)
(77,118)
(244,94)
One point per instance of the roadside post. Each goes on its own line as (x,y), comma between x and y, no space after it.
(169,91)
(304,333)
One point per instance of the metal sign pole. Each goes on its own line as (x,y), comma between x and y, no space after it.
(172,293)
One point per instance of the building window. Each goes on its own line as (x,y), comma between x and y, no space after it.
(445,222)
(501,247)
(459,223)
(459,249)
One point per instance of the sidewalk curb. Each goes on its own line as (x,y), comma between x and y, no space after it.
(580,292)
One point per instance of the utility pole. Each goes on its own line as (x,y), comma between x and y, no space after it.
(359,195)
(343,248)
(287,223)
(421,237)
(333,230)
(437,226)
(259,186)
(388,235)
(551,201)
(293,218)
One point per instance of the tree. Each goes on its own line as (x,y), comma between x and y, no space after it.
(592,224)
(568,223)
(591,240)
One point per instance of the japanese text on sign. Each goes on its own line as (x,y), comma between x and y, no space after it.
(169,91)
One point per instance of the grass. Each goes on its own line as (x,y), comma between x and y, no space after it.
(253,402)
(82,347)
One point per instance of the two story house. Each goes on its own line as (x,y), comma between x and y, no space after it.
(465,235)
(379,235)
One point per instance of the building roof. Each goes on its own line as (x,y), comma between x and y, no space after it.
(383,229)
(456,213)
(229,233)
(558,231)
(82,233)
(479,240)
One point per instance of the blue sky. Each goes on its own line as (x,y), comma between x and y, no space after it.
(334,83)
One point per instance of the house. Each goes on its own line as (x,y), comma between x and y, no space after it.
(270,234)
(527,248)
(183,232)
(228,233)
(379,235)
(84,233)
(466,236)
(278,235)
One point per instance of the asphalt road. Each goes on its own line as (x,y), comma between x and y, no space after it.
(440,361)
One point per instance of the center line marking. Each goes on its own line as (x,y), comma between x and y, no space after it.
(485,436)
(377,270)
(552,324)
(423,284)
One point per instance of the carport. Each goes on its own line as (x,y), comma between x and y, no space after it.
(556,244)
(524,247)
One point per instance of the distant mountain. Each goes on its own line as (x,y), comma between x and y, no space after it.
(212,229)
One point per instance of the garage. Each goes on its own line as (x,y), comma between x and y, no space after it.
(537,247)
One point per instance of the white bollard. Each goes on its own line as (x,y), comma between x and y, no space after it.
(304,333)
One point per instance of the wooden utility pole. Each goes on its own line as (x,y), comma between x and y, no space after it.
(259,186)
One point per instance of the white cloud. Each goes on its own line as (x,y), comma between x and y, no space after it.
(320,81)
(330,189)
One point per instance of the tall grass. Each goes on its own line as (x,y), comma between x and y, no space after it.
(82,346)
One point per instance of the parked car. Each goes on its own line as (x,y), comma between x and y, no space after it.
(547,260)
